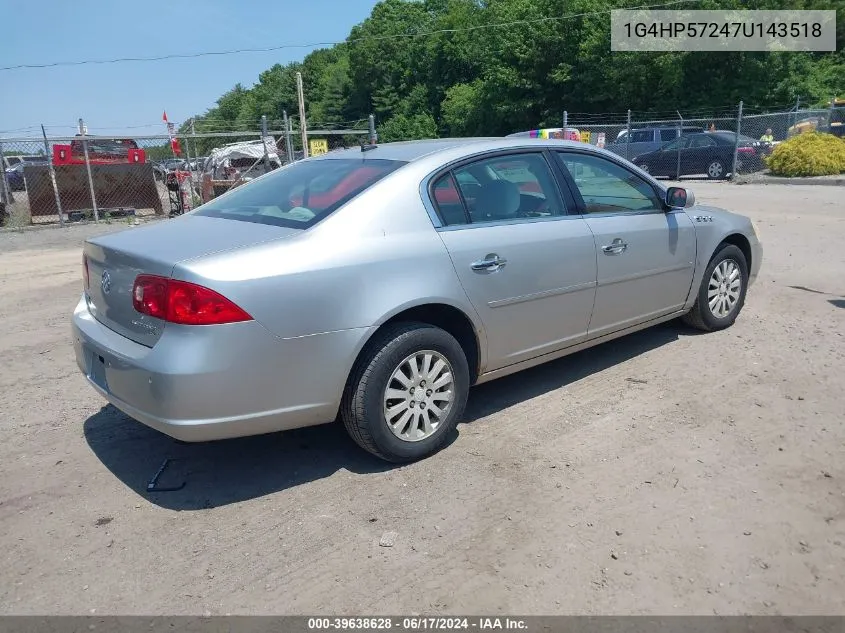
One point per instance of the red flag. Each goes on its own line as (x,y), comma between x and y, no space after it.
(164,116)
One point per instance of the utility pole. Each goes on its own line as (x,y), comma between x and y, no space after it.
(302,126)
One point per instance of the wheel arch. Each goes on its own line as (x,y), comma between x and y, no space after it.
(445,315)
(741,242)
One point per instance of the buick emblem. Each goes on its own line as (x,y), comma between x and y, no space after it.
(105,282)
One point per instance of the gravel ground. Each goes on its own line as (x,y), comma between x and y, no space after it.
(666,472)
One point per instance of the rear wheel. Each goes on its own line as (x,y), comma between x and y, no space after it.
(716,170)
(407,392)
(722,291)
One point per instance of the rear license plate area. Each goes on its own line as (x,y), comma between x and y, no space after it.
(97,371)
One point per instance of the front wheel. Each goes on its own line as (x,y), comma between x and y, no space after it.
(722,291)
(407,392)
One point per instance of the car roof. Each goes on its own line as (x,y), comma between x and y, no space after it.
(410,151)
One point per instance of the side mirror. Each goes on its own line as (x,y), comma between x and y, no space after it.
(679,198)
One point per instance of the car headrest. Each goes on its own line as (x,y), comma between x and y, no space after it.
(498,200)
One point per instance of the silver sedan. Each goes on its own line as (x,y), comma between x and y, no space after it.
(377,285)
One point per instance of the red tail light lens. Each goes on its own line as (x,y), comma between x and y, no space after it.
(745,150)
(182,302)
(149,296)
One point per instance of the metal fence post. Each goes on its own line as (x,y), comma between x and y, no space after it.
(53,177)
(195,181)
(736,140)
(680,133)
(264,143)
(628,138)
(288,143)
(84,134)
(565,122)
(5,194)
(372,127)
(830,112)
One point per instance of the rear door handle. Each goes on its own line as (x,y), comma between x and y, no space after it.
(491,262)
(616,247)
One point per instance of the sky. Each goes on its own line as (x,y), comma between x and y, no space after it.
(129,98)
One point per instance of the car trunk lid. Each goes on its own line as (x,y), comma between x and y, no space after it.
(114,262)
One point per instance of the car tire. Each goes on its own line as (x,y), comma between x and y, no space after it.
(716,170)
(707,312)
(367,398)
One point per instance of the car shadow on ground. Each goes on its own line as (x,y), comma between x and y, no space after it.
(219,473)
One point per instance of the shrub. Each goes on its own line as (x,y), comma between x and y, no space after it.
(808,154)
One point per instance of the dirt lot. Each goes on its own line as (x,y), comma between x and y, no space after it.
(663,473)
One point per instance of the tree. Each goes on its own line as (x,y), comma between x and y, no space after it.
(425,67)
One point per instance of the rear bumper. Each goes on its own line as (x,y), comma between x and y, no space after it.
(208,383)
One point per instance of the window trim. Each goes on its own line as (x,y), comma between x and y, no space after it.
(564,196)
(579,200)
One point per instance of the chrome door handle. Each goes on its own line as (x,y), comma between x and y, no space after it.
(491,262)
(615,247)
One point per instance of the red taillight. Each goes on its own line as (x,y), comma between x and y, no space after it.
(745,150)
(85,281)
(182,302)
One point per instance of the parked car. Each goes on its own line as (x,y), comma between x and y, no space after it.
(15,174)
(417,270)
(647,139)
(709,153)
(232,165)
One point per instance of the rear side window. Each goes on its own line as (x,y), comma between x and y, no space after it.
(302,194)
(701,141)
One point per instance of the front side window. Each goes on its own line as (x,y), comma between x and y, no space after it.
(642,136)
(668,134)
(502,188)
(679,143)
(607,187)
(301,194)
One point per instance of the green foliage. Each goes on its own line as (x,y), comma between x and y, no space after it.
(490,81)
(808,154)
(158,152)
(401,127)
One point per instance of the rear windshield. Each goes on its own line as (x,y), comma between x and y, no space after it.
(301,194)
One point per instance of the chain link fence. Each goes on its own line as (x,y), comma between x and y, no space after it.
(85,177)
(677,147)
